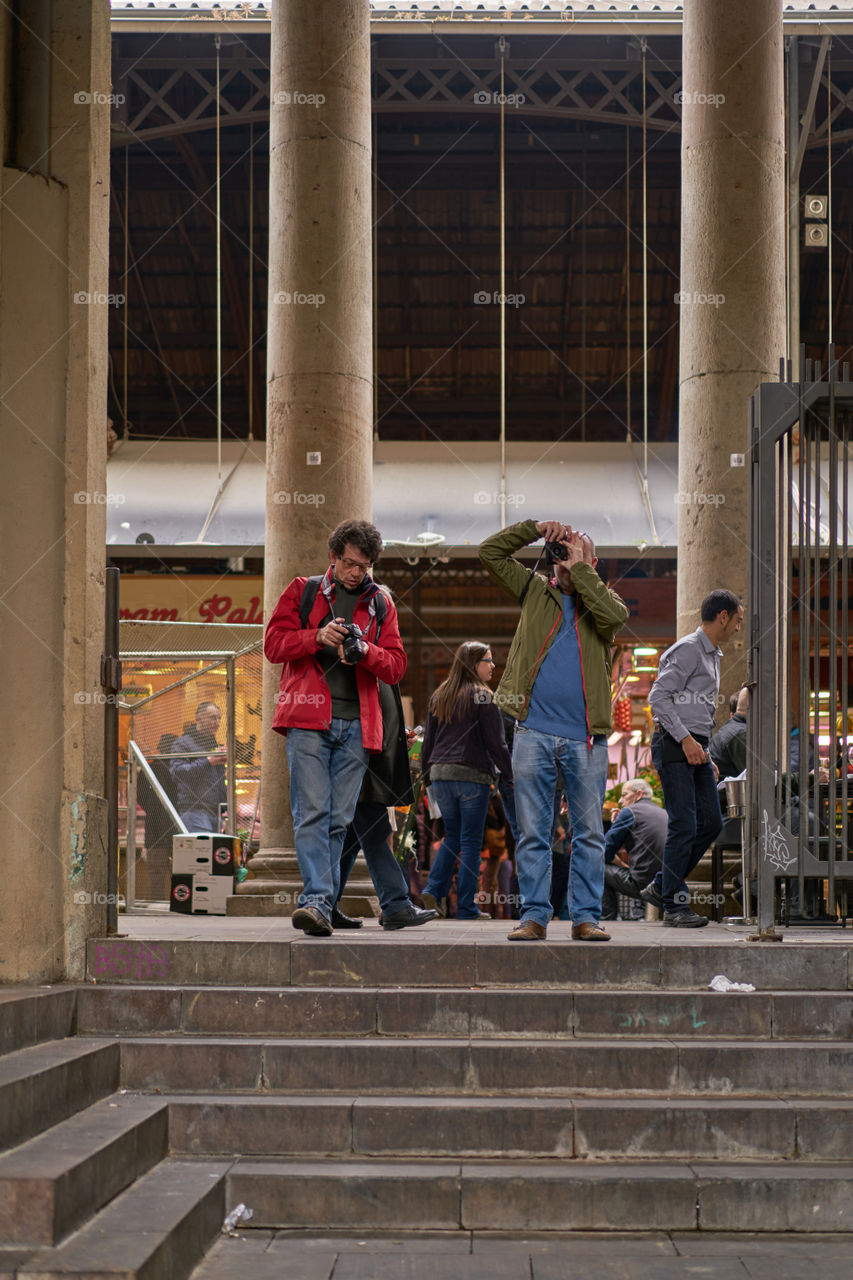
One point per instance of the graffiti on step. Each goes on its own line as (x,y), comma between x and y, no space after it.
(130,960)
(774,845)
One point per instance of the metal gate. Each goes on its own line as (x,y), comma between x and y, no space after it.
(800,726)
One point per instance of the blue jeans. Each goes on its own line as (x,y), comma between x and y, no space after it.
(198,820)
(326,772)
(537,761)
(463,808)
(693,807)
(369,831)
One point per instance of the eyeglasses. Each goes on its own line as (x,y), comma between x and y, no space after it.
(352,564)
(490,661)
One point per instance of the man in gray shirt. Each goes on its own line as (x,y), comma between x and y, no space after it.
(683,700)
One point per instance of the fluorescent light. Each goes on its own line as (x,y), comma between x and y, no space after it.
(645,653)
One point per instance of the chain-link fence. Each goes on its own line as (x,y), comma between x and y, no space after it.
(189,743)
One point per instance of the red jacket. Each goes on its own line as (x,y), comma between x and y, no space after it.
(304,701)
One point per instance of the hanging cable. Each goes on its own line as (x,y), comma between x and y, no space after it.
(645,288)
(502,45)
(124,286)
(218,42)
(251,378)
(829,198)
(628,282)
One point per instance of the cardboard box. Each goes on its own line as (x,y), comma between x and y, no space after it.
(199,894)
(210,855)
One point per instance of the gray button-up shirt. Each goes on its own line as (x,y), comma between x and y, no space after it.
(683,699)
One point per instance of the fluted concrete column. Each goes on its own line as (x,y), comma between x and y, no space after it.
(54,226)
(732,286)
(319,352)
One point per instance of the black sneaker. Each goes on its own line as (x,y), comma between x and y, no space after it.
(651,896)
(684,919)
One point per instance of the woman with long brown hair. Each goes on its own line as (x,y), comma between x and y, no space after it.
(464,747)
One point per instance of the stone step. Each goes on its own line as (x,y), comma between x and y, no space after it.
(157,1229)
(29,1016)
(622,1066)
(46,1083)
(451,954)
(451,1012)
(543,1195)
(456,1126)
(50,1184)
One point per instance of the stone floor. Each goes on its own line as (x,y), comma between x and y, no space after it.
(283,1255)
(157,923)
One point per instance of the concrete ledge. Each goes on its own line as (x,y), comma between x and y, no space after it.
(347,1194)
(521,1197)
(53,1182)
(159,1228)
(44,1084)
(759,1198)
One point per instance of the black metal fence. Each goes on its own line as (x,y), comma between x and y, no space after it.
(800,727)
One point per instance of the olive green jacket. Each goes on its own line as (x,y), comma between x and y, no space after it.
(600,614)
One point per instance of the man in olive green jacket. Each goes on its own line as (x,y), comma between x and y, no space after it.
(556,685)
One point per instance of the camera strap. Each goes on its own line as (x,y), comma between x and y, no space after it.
(309,595)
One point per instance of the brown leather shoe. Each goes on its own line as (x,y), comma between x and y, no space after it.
(589,932)
(530,931)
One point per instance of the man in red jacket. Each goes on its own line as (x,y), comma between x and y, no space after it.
(328,704)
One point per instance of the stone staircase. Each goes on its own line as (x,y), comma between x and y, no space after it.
(449,1082)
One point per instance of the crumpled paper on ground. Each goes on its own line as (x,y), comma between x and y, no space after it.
(722,983)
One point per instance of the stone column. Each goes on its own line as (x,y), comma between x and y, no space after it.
(732,287)
(319,346)
(54,222)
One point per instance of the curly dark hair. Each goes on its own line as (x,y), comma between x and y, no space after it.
(357,533)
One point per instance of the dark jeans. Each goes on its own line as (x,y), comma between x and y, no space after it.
(369,831)
(617,880)
(693,807)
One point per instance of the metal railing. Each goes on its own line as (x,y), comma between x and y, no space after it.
(800,789)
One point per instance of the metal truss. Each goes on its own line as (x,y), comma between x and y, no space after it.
(166,97)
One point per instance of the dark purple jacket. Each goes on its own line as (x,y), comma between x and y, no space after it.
(475,739)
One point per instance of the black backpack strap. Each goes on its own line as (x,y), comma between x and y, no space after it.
(309,595)
(381,613)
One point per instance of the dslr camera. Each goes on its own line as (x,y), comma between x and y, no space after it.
(350,645)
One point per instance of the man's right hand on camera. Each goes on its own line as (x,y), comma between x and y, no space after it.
(332,634)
